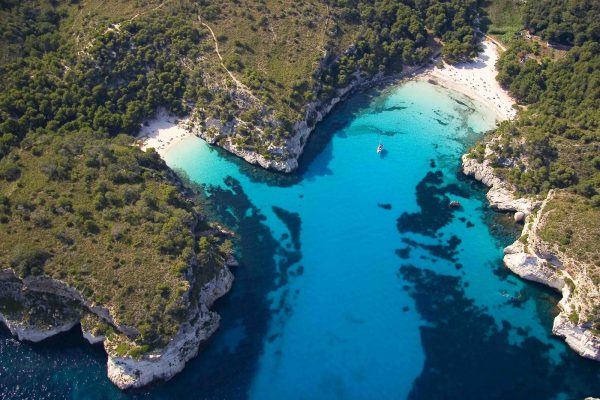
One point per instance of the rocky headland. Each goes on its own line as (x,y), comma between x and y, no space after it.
(533,259)
(130,372)
(37,308)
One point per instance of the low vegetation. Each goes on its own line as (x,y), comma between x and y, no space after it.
(503,18)
(566,213)
(104,217)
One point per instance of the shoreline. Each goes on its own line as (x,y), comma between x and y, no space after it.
(162,132)
(476,80)
(531,259)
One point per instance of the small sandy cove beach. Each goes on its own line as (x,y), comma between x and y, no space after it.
(163,131)
(477,79)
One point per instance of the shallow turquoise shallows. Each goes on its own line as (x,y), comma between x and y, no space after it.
(357,279)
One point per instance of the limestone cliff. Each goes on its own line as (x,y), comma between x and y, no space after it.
(501,194)
(36,308)
(284,157)
(131,372)
(533,259)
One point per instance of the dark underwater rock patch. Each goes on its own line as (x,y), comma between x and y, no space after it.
(292,221)
(403,253)
(395,108)
(462,103)
(432,198)
(468,356)
(447,251)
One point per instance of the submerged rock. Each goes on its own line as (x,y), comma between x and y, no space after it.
(454,204)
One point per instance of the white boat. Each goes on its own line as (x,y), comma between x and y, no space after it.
(379,148)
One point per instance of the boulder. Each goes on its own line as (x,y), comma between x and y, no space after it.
(519,216)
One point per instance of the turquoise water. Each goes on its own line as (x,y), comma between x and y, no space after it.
(356,280)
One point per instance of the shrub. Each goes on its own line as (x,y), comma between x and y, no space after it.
(10,173)
(91,227)
(29,262)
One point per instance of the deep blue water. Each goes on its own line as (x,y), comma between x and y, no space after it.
(356,280)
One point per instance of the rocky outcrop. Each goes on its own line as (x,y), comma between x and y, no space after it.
(532,259)
(33,291)
(35,333)
(524,259)
(36,308)
(129,372)
(578,338)
(91,338)
(301,130)
(531,267)
(500,195)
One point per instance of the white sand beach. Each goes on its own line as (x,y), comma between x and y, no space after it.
(477,80)
(163,131)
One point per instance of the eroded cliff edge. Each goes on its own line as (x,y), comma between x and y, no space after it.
(282,155)
(37,308)
(126,252)
(533,259)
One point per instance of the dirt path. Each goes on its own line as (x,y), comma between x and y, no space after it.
(148,11)
(496,42)
(239,84)
(116,27)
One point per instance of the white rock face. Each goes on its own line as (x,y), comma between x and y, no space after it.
(91,338)
(525,261)
(529,258)
(127,372)
(500,195)
(9,282)
(531,267)
(519,216)
(579,339)
(31,333)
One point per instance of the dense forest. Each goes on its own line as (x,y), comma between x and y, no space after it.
(566,22)
(562,122)
(394,34)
